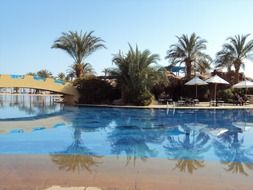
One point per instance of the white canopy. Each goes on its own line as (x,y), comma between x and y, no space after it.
(196,81)
(244,84)
(245,126)
(215,132)
(217,80)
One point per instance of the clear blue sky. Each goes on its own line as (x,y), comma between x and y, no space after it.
(29,27)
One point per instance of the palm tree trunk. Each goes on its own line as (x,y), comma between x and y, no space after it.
(188,70)
(79,70)
(236,74)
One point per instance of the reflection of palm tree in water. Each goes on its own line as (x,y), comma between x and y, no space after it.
(188,150)
(130,140)
(76,157)
(230,149)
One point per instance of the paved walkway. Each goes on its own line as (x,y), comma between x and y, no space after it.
(72,188)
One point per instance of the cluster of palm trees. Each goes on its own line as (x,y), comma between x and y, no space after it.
(134,70)
(189,51)
(137,135)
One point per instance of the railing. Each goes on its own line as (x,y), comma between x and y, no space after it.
(39,78)
(17,76)
(57,81)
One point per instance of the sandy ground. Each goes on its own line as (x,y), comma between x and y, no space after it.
(29,172)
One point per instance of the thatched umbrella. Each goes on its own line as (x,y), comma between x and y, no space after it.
(216,80)
(196,81)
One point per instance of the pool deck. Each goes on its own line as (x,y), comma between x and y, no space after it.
(72,188)
(201,105)
(30,172)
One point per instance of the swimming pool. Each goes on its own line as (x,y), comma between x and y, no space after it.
(13,107)
(87,136)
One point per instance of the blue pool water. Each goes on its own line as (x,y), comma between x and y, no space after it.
(220,135)
(13,107)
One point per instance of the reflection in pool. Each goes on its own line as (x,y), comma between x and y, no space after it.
(83,138)
(189,136)
(24,106)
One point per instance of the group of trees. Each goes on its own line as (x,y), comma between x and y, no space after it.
(135,69)
(189,51)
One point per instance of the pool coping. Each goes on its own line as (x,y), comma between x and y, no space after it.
(228,107)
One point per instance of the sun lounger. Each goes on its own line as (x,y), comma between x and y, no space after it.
(180,103)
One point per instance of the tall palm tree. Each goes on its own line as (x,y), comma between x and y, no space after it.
(79,46)
(233,153)
(189,51)
(189,150)
(136,76)
(77,156)
(83,69)
(234,53)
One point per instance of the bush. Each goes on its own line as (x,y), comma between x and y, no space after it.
(96,91)
(143,99)
(226,95)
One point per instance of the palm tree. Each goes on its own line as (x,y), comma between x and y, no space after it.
(70,76)
(77,156)
(189,51)
(130,140)
(203,67)
(85,68)
(79,46)
(234,53)
(188,151)
(136,76)
(44,74)
(233,153)
(31,74)
(61,76)
(106,71)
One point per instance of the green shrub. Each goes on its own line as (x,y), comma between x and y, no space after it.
(96,91)
(226,95)
(143,99)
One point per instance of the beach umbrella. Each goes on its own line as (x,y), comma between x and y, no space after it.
(244,126)
(216,80)
(244,84)
(215,132)
(196,81)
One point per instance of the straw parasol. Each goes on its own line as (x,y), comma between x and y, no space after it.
(244,126)
(244,84)
(216,80)
(196,81)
